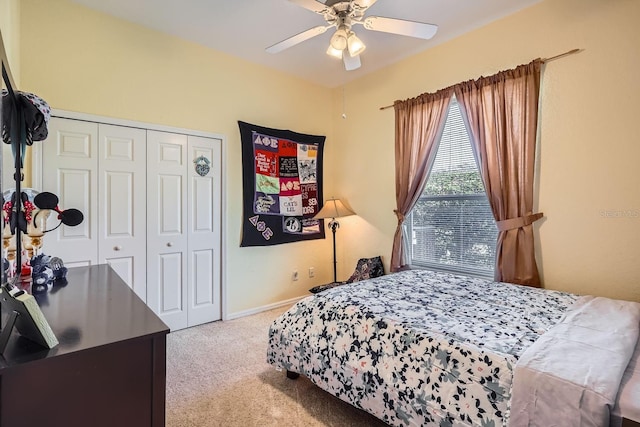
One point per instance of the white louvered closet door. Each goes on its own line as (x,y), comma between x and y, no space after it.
(69,170)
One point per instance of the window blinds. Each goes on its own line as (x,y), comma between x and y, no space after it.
(452,227)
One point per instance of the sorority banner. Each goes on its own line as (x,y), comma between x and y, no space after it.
(282,185)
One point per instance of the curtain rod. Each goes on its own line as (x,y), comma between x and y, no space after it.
(544,61)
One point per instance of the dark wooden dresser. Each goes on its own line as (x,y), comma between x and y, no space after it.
(108,370)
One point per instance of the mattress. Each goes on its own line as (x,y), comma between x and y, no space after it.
(417,347)
(628,400)
(572,375)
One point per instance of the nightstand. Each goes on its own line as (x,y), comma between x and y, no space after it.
(629,423)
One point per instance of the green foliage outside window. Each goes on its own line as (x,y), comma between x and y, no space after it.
(458,230)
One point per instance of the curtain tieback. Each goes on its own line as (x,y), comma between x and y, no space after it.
(399,215)
(519,222)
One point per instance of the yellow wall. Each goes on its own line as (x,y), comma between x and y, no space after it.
(84,61)
(10,28)
(589,144)
(80,60)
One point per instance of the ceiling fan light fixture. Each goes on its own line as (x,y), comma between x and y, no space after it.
(342,15)
(355,45)
(336,53)
(339,39)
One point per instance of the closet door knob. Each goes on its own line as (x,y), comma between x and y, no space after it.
(117,248)
(169,244)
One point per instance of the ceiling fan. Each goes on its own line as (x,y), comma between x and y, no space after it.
(343,15)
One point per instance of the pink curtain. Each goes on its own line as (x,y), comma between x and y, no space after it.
(502,115)
(419,125)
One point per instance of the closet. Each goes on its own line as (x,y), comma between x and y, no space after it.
(183,212)
(149,212)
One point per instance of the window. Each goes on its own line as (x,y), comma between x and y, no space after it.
(452,227)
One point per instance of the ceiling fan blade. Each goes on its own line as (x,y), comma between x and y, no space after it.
(298,38)
(312,5)
(350,62)
(403,27)
(364,4)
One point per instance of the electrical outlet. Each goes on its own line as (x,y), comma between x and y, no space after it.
(312,272)
(294,275)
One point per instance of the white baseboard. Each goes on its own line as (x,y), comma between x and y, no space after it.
(260,309)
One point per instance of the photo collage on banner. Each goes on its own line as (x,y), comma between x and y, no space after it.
(282,179)
(286,182)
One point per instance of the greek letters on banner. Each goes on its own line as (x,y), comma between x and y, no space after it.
(282,185)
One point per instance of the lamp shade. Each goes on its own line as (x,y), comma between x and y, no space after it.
(339,39)
(331,51)
(333,208)
(355,45)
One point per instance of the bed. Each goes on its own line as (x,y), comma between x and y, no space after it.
(425,348)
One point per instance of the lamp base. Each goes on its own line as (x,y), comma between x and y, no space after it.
(334,225)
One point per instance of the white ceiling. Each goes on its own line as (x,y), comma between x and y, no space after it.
(244,28)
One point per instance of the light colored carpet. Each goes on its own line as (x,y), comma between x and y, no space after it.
(217,375)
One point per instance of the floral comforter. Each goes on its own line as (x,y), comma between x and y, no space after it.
(417,347)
